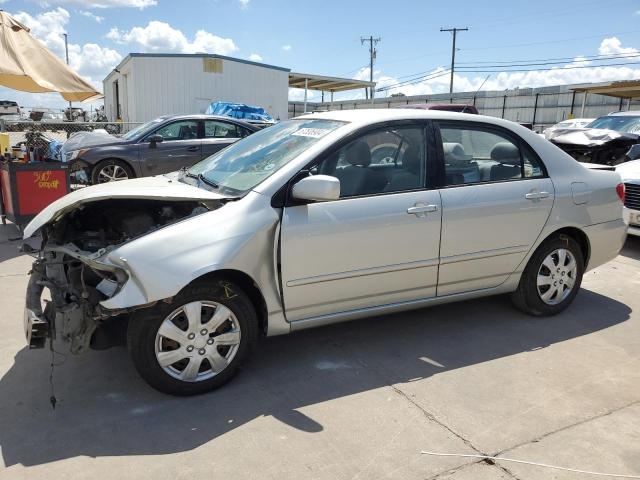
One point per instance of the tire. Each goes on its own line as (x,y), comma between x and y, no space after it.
(535,294)
(113,168)
(196,345)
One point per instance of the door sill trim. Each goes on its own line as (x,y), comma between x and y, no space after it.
(328,319)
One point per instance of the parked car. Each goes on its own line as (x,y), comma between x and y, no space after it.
(444,107)
(569,124)
(8,107)
(163,145)
(608,140)
(294,227)
(630,173)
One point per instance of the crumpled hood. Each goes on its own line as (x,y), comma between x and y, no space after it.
(591,137)
(159,187)
(90,139)
(629,171)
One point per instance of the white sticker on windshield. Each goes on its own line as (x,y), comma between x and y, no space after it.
(311,132)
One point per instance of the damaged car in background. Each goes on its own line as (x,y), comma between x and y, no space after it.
(608,140)
(188,269)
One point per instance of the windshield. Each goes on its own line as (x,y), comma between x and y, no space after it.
(619,123)
(248,162)
(143,129)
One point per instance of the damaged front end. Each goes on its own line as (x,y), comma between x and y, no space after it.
(72,264)
(597,146)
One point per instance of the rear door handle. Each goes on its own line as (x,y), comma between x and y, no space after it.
(193,149)
(417,209)
(536,195)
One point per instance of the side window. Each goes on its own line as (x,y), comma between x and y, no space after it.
(389,160)
(182,130)
(216,129)
(473,155)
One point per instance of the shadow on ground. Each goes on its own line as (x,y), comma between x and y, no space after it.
(10,240)
(105,409)
(631,248)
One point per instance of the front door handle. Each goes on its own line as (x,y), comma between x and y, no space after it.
(418,209)
(193,149)
(536,195)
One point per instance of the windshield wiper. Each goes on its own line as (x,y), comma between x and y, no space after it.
(204,179)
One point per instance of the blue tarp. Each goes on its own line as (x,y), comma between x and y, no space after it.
(239,111)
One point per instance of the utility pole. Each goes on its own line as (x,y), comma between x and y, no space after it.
(453,51)
(66,52)
(372,56)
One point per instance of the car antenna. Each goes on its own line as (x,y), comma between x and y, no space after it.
(474,95)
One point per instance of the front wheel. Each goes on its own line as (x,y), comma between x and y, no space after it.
(552,277)
(111,171)
(196,343)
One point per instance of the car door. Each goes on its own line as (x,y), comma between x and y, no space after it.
(378,244)
(219,134)
(180,147)
(496,199)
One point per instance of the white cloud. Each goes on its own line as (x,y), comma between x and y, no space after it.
(162,37)
(90,60)
(286,48)
(254,57)
(141,4)
(613,46)
(88,14)
(244,3)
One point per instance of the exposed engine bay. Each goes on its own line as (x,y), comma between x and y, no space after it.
(71,264)
(599,146)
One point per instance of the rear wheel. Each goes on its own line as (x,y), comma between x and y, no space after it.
(552,277)
(197,343)
(111,171)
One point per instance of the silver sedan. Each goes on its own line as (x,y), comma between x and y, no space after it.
(323,218)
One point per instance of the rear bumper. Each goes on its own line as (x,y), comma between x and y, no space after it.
(605,241)
(632,218)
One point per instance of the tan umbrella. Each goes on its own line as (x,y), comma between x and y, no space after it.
(27,65)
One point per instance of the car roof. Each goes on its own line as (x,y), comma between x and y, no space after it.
(630,113)
(377,115)
(204,116)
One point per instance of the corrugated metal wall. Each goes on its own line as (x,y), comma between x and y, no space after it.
(549,104)
(179,85)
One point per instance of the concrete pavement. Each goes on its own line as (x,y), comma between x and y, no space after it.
(356,400)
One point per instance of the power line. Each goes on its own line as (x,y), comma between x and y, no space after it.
(463,69)
(412,82)
(547,42)
(455,31)
(509,65)
(545,61)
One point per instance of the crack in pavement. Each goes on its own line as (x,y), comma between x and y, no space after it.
(566,427)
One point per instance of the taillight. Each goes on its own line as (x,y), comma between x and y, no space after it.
(620,191)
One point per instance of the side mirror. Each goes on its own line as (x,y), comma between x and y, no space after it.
(317,188)
(153,139)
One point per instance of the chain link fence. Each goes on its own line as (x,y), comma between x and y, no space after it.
(25,131)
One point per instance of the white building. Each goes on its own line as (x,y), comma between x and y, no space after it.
(146,85)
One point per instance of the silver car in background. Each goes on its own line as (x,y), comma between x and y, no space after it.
(324,218)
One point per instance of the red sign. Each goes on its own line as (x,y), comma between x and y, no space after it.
(37,189)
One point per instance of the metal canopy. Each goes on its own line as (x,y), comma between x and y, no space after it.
(628,89)
(326,84)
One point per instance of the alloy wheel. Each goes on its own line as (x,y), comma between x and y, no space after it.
(557,276)
(197,341)
(112,173)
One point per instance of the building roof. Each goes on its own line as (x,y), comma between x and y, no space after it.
(193,55)
(621,89)
(326,84)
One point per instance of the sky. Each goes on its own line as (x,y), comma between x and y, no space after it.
(568,42)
